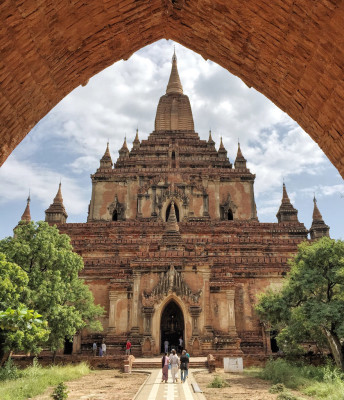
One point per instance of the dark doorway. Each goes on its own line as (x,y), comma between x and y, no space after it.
(175,209)
(173,159)
(115,216)
(68,346)
(273,342)
(230,215)
(171,326)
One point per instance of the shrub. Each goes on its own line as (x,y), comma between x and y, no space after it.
(9,371)
(218,382)
(288,396)
(60,392)
(278,388)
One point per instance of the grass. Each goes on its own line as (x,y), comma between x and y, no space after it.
(323,382)
(218,382)
(34,380)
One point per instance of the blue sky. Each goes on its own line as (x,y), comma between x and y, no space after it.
(68,143)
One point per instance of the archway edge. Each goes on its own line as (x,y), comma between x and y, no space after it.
(290,51)
(159,311)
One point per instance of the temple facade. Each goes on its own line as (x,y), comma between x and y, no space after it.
(172,245)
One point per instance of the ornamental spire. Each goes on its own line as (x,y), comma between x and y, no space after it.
(286,212)
(174,84)
(124,151)
(136,142)
(56,213)
(26,214)
(240,161)
(318,228)
(106,161)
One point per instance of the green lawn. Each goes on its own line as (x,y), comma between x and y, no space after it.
(324,382)
(34,380)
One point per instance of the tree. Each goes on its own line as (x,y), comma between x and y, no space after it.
(20,328)
(310,305)
(54,288)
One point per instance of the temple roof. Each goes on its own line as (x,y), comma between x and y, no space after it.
(26,214)
(286,212)
(174,84)
(57,206)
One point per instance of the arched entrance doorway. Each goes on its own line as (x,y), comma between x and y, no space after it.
(171,325)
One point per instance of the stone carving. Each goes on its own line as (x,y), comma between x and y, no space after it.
(227,205)
(171,281)
(117,206)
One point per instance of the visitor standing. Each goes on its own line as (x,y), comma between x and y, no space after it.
(184,366)
(180,344)
(100,351)
(128,348)
(104,348)
(174,361)
(94,349)
(164,364)
(166,343)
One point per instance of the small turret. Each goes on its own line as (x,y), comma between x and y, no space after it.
(240,161)
(136,142)
(106,161)
(26,214)
(318,228)
(171,238)
(222,152)
(286,212)
(56,213)
(124,151)
(211,142)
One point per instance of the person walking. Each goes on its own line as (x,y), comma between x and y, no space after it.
(164,364)
(104,348)
(94,349)
(174,361)
(128,348)
(184,366)
(166,343)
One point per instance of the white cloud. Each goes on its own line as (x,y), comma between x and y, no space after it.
(17,178)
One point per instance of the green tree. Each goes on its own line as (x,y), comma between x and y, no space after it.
(54,288)
(20,328)
(310,305)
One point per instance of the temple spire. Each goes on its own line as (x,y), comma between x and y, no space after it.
(106,161)
(26,214)
(240,161)
(286,212)
(222,152)
(56,213)
(136,142)
(174,84)
(124,151)
(318,228)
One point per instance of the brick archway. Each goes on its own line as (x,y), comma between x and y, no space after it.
(291,51)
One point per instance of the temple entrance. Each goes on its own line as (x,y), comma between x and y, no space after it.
(171,326)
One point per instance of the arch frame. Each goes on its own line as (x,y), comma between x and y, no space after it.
(156,320)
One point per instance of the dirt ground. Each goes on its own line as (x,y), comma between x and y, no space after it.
(102,385)
(241,387)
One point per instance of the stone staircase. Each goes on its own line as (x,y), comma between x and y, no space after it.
(155,362)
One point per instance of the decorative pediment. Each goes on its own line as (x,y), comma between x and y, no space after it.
(227,205)
(172,281)
(118,207)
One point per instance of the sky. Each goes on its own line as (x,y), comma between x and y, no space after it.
(67,144)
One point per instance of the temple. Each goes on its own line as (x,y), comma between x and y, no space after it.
(172,245)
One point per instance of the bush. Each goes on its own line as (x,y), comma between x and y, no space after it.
(9,371)
(60,392)
(278,388)
(218,382)
(288,396)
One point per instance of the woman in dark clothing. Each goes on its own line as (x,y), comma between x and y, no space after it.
(184,366)
(164,364)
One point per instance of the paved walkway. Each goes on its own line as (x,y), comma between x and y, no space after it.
(153,389)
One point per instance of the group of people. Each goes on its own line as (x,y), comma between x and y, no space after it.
(101,350)
(173,362)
